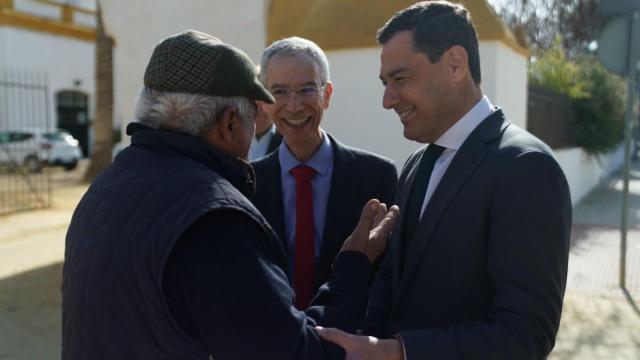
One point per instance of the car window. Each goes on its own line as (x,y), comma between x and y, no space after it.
(4,137)
(58,135)
(20,136)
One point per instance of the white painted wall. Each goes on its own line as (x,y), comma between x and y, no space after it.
(63,59)
(584,171)
(37,9)
(504,79)
(85,4)
(356,116)
(139,25)
(2,47)
(88,20)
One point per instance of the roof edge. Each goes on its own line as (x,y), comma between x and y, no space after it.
(49,26)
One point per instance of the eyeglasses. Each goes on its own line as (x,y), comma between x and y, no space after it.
(307,92)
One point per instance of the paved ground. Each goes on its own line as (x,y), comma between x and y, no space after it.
(600,321)
(31,251)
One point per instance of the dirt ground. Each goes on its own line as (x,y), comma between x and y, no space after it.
(31,253)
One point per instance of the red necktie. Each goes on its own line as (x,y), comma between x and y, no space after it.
(305,256)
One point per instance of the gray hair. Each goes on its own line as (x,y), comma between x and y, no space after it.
(192,114)
(295,46)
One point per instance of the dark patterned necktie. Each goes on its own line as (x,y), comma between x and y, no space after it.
(418,191)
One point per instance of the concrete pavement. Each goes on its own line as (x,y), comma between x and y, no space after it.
(600,321)
(31,253)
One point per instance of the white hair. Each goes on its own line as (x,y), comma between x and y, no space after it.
(293,46)
(192,114)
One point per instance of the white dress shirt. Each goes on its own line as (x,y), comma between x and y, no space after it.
(260,146)
(452,140)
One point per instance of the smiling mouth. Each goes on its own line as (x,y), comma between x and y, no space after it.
(296,122)
(405,113)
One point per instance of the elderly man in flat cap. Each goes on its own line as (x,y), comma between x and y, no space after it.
(167,259)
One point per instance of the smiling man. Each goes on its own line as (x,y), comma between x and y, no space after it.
(477,264)
(312,188)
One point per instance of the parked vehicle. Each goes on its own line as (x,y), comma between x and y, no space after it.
(35,148)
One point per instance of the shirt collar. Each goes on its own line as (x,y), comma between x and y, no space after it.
(266,137)
(458,133)
(321,161)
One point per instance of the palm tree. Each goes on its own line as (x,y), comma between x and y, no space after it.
(102,139)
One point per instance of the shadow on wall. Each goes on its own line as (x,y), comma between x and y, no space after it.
(30,317)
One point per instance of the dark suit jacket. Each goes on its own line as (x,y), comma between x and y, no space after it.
(358,176)
(487,270)
(276,139)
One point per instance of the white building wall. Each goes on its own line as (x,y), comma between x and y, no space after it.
(138,26)
(504,79)
(37,9)
(488,66)
(584,171)
(356,116)
(64,60)
(3,51)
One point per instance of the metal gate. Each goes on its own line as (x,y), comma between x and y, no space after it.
(24,116)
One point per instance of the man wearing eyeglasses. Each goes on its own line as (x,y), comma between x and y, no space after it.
(312,188)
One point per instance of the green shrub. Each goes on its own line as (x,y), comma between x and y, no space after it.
(597,96)
(599,118)
(553,71)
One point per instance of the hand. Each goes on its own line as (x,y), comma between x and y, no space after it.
(372,232)
(363,347)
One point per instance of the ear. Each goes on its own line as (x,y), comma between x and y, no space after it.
(457,61)
(224,131)
(326,99)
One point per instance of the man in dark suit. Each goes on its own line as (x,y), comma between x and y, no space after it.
(312,188)
(267,138)
(477,264)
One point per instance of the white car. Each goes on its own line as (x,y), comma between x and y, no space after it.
(34,148)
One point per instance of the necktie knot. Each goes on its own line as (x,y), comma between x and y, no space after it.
(432,153)
(303,173)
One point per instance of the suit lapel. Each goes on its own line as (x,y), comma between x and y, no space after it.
(472,152)
(402,201)
(344,185)
(276,139)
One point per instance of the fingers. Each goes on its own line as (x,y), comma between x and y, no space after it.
(382,212)
(387,223)
(336,336)
(369,212)
(379,235)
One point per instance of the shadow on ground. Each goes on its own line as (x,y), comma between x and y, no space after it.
(30,312)
(597,327)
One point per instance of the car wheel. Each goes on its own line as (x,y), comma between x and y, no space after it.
(70,165)
(32,164)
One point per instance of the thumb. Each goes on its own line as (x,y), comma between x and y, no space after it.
(336,336)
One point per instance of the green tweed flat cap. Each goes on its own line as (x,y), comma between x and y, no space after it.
(198,63)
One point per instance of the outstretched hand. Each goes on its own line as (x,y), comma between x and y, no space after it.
(363,347)
(372,232)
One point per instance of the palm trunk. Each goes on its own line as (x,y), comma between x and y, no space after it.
(102,127)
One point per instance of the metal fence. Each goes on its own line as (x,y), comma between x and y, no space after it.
(550,118)
(24,113)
